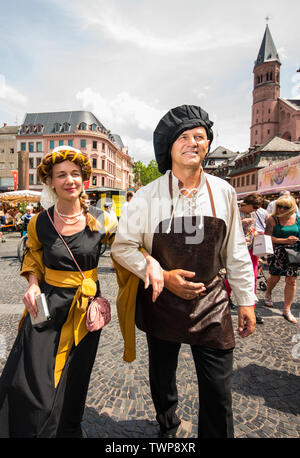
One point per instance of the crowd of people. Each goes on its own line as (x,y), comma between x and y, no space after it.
(280,220)
(15,217)
(169,247)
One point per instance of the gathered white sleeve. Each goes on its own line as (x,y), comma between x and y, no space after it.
(130,237)
(236,257)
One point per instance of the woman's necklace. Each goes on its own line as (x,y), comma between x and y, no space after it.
(70,219)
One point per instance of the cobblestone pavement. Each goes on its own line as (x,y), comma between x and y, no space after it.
(266,382)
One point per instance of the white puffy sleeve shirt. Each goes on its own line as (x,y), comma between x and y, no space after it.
(152,204)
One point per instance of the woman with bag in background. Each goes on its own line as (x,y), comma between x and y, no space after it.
(284,227)
(250,204)
(44,384)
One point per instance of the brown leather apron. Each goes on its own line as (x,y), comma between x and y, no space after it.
(205,320)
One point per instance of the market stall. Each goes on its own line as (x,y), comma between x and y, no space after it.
(25,195)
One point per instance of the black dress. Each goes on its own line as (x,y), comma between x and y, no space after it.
(30,404)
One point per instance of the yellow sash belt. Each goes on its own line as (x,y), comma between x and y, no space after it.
(74,328)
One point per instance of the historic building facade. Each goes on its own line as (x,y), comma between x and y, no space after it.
(8,156)
(40,133)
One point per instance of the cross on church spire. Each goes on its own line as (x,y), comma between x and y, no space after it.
(267,19)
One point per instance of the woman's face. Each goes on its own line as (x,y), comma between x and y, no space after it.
(67,180)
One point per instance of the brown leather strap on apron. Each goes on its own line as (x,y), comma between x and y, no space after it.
(208,189)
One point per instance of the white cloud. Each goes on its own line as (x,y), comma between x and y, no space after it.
(139,149)
(282,53)
(296,86)
(160,29)
(10,94)
(127,116)
(121,111)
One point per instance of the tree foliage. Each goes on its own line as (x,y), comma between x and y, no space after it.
(144,174)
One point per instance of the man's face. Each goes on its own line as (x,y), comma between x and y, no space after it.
(190,149)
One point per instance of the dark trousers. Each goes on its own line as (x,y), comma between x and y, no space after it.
(214,373)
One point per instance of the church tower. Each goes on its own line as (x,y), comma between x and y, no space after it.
(266,91)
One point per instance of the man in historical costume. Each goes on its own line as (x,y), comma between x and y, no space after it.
(189,222)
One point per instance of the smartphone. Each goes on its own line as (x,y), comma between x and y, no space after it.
(43,314)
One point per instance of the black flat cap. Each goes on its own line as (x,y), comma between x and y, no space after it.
(173,123)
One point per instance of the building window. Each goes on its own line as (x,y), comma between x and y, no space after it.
(103,164)
(23,146)
(38,161)
(66,127)
(243,181)
(253,178)
(11,150)
(103,146)
(94,127)
(39,147)
(30,147)
(60,143)
(56,127)
(82,126)
(82,143)
(70,142)
(51,144)
(94,163)
(103,181)
(247,179)
(94,145)
(31,178)
(238,182)
(31,163)
(38,180)
(94,181)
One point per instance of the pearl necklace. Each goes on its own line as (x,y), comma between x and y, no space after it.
(74,218)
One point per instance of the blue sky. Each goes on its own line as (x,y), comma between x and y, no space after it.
(129,61)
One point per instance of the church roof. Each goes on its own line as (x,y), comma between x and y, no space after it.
(267,51)
(294,102)
(278,144)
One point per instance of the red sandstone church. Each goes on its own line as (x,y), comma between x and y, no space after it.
(275,127)
(271,115)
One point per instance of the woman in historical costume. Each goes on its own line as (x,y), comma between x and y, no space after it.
(284,227)
(44,384)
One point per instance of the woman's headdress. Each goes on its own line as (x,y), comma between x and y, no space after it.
(60,154)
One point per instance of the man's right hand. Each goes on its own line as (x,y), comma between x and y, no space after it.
(175,281)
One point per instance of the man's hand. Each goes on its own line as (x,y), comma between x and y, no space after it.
(246,321)
(154,276)
(175,281)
